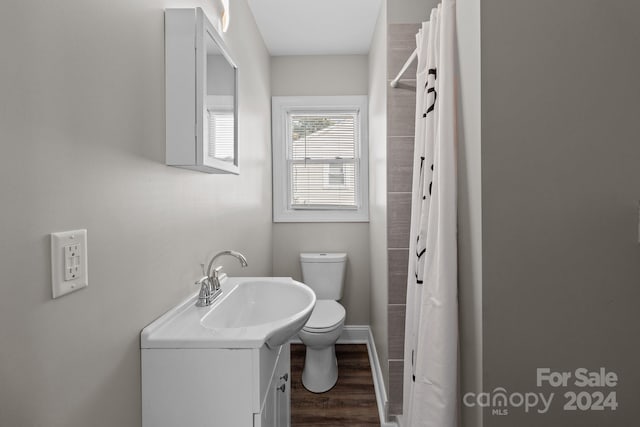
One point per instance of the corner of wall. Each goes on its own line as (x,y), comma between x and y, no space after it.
(469,205)
(378,188)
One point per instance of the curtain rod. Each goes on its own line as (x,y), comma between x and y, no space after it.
(414,55)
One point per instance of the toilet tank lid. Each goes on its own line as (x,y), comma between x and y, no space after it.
(323,257)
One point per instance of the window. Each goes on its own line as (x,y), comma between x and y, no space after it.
(320,159)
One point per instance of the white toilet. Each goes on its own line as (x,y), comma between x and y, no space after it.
(324,273)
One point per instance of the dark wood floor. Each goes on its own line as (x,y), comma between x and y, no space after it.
(351,402)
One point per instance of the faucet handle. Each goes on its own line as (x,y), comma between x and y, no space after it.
(216,272)
(207,293)
(205,285)
(202,281)
(205,288)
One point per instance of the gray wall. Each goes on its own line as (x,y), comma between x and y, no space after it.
(82,145)
(560,188)
(378,189)
(324,75)
(314,75)
(469,205)
(409,11)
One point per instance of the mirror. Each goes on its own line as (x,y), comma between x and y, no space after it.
(219,110)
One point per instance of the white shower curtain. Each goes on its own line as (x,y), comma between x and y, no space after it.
(431,332)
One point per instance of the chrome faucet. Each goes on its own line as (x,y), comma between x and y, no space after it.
(210,283)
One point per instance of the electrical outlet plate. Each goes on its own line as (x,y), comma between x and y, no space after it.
(68,262)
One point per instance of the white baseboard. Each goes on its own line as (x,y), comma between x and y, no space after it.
(361,334)
(351,334)
(355,334)
(378,382)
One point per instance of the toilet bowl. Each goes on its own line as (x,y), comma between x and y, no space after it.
(319,335)
(324,273)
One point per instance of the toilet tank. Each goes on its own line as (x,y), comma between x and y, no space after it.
(324,273)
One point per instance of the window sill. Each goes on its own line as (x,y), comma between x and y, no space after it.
(320,216)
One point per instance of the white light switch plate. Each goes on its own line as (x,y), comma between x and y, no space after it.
(68,262)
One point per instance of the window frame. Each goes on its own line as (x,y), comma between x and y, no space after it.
(282,106)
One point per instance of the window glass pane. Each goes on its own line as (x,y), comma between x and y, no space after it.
(322,151)
(336,176)
(322,136)
(318,185)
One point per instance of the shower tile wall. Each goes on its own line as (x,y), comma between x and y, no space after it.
(401,103)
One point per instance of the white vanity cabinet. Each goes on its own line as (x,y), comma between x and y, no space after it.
(227,364)
(216,387)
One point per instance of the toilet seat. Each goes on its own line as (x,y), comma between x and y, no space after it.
(326,316)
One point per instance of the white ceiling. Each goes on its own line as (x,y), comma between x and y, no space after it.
(316,27)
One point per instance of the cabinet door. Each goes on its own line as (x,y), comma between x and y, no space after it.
(276,411)
(267,418)
(283,399)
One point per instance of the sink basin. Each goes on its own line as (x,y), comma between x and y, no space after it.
(251,312)
(277,305)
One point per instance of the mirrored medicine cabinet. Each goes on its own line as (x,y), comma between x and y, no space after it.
(201,95)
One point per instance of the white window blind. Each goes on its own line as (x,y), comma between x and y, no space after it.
(323,160)
(221,144)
